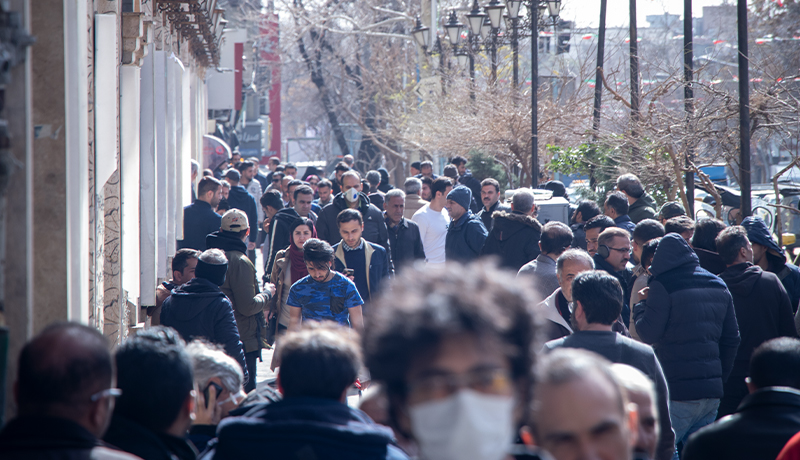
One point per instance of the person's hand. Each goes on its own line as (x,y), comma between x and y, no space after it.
(265,226)
(643,293)
(352,278)
(251,245)
(270,314)
(207,415)
(269,287)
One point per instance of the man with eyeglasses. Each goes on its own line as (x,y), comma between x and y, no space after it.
(65,396)
(613,253)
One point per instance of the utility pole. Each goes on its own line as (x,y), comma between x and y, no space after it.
(598,79)
(744,111)
(688,98)
(634,58)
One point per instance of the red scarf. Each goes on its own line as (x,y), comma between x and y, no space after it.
(298,265)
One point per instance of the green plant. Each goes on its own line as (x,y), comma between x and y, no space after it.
(484,166)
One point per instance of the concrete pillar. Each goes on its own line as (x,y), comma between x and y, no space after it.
(130,186)
(161,154)
(148,236)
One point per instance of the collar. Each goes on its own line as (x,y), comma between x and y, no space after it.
(638,270)
(202,203)
(545,259)
(349,249)
(622,219)
(492,207)
(402,223)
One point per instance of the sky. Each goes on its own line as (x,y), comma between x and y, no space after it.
(586,13)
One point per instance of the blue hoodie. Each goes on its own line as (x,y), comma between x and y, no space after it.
(689,319)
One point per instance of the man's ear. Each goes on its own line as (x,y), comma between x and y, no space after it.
(540,246)
(632,411)
(579,308)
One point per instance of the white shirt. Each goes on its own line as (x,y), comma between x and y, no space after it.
(433,231)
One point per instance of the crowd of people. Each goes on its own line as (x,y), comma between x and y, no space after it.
(468,328)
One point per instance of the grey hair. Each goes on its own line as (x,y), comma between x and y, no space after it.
(395,192)
(573,255)
(373,177)
(522,201)
(210,361)
(352,172)
(412,185)
(635,381)
(195,167)
(213,257)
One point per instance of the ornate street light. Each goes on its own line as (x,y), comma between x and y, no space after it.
(513,8)
(453,28)
(554,8)
(475,19)
(420,34)
(495,11)
(486,28)
(462,56)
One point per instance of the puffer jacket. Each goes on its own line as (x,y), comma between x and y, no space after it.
(374,226)
(241,287)
(200,309)
(465,238)
(514,238)
(689,319)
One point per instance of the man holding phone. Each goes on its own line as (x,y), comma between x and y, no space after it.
(365,263)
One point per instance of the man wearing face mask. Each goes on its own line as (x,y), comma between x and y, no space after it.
(351,198)
(453,348)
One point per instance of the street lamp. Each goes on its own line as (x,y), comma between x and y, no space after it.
(475,19)
(553,8)
(495,11)
(420,34)
(453,28)
(513,8)
(486,27)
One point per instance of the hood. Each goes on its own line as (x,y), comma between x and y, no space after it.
(741,278)
(192,298)
(237,190)
(225,241)
(758,232)
(643,202)
(363,202)
(506,224)
(286,215)
(463,220)
(672,252)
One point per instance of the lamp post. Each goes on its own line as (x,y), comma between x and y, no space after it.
(535,11)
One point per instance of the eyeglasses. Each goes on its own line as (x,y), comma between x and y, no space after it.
(276,180)
(313,183)
(112,392)
(622,250)
(489,381)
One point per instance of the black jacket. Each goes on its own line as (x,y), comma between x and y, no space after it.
(487,215)
(301,428)
(578,236)
(514,238)
(763,312)
(374,225)
(149,445)
(279,237)
(238,198)
(405,242)
(200,309)
(465,238)
(763,424)
(710,260)
(51,438)
(474,185)
(198,221)
(625,278)
(689,319)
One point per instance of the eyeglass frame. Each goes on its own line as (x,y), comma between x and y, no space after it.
(112,392)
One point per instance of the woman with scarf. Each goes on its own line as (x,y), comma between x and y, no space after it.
(288,268)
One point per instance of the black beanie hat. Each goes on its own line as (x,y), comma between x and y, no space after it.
(211,272)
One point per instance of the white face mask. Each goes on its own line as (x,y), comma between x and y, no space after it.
(351,195)
(467,424)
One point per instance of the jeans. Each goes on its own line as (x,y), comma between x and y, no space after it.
(689,416)
(251,360)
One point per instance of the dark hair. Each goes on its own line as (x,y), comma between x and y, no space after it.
(208,172)
(373,177)
(154,372)
(317,252)
(588,209)
(646,230)
(275,160)
(299,222)
(342,166)
(600,221)
(617,202)
(556,237)
(491,181)
(425,163)
(244,165)
(415,165)
(279,168)
(272,198)
(440,185)
(450,171)
(458,160)
(426,180)
(320,361)
(426,305)
(294,183)
(303,189)
(365,188)
(207,184)
(290,166)
(600,294)
(705,233)
(324,183)
(631,185)
(679,225)
(223,206)
(233,175)
(53,370)
(182,257)
(648,251)
(776,363)
(349,215)
(730,241)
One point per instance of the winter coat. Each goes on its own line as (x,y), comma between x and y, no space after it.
(132,437)
(643,208)
(710,260)
(514,238)
(689,319)
(199,219)
(625,278)
(789,275)
(377,261)
(543,272)
(465,238)
(241,287)
(578,236)
(50,438)
(298,428)
(199,309)
(764,422)
(413,204)
(374,225)
(276,304)
(624,222)
(279,237)
(763,312)
(406,243)
(474,185)
(487,215)
(555,325)
(238,198)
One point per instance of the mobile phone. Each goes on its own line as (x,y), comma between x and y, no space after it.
(216,386)
(349,272)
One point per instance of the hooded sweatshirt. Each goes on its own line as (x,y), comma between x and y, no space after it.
(514,237)
(200,309)
(641,209)
(689,319)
